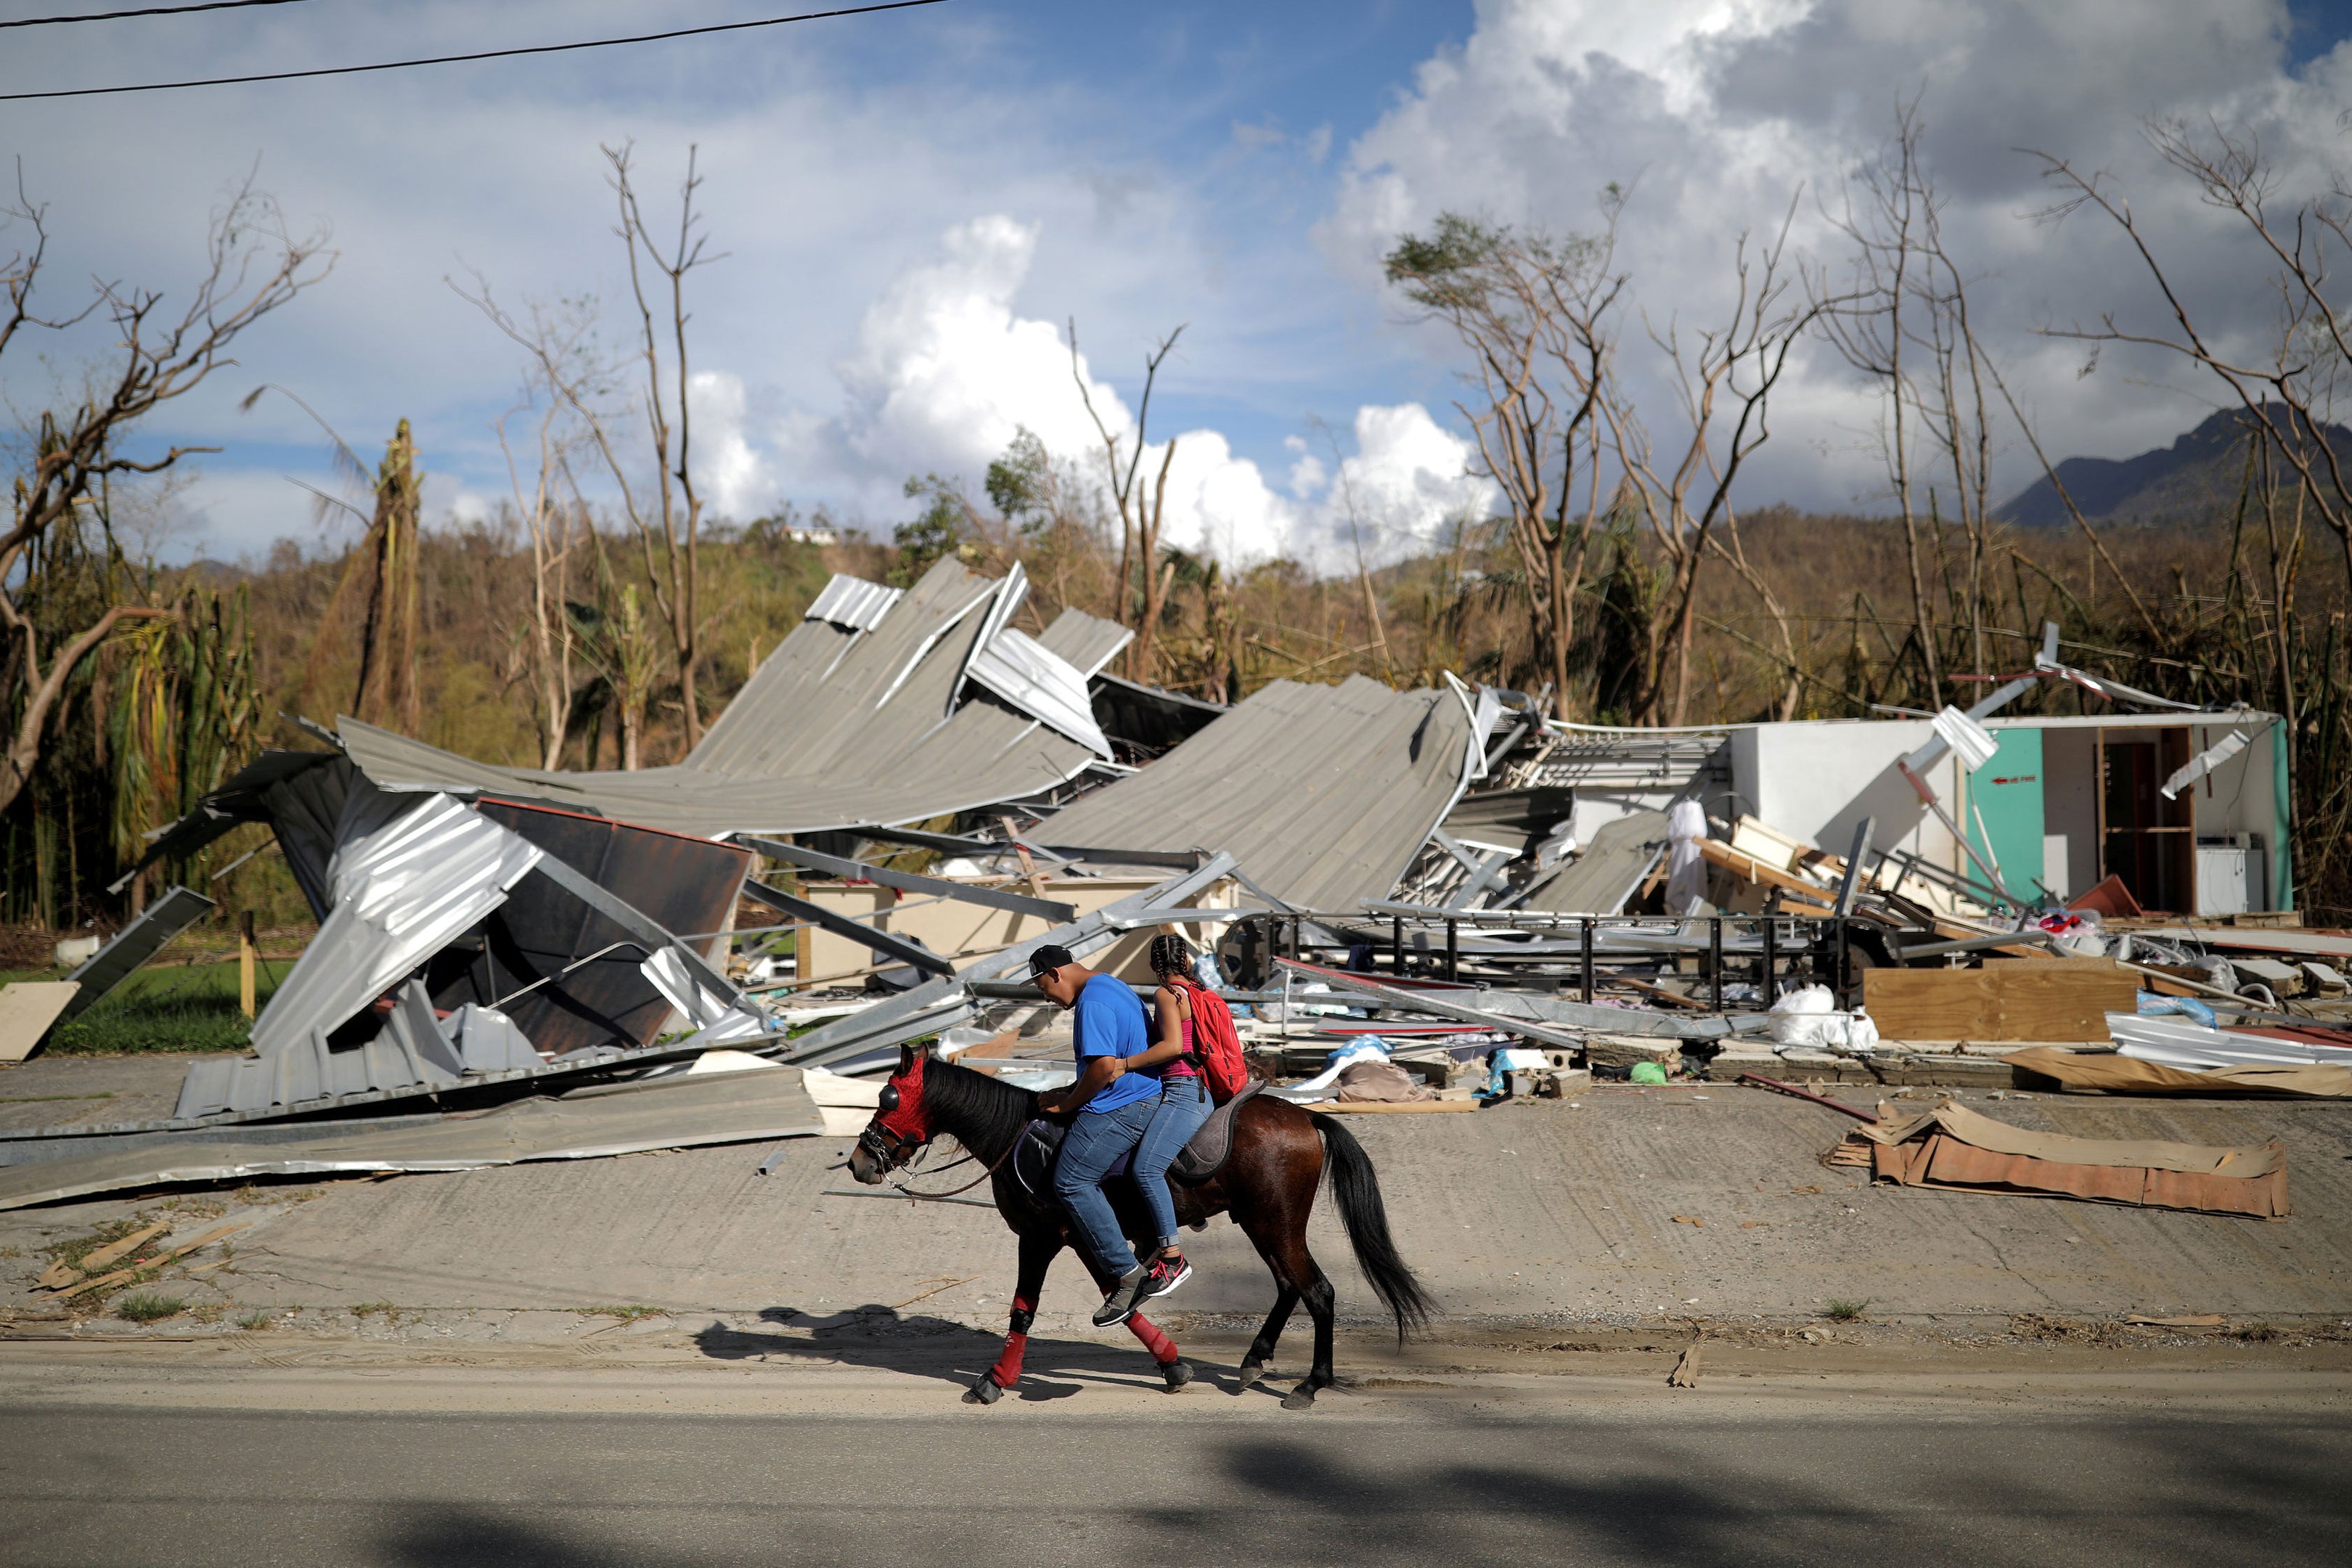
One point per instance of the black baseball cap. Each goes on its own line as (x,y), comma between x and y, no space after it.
(1050,957)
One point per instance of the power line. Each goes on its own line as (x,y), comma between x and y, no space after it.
(460,60)
(149,11)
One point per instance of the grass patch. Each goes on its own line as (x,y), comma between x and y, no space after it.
(149,1307)
(629,1314)
(255,1321)
(364,1309)
(1845,1311)
(186,1008)
(2261,1333)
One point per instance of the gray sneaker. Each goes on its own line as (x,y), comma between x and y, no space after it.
(1119,1304)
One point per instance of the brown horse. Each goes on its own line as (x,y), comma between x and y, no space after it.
(1279,1155)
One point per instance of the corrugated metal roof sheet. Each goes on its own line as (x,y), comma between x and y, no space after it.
(409,878)
(804,746)
(852,602)
(1322,794)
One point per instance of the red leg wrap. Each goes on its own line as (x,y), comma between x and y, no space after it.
(1162,1348)
(1007,1370)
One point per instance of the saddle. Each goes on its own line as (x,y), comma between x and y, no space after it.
(1204,1157)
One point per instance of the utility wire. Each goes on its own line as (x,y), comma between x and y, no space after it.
(149,11)
(460,60)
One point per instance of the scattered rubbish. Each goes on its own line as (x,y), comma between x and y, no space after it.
(2152,1005)
(1648,1072)
(1790,1089)
(2198,1321)
(1369,1083)
(1689,1220)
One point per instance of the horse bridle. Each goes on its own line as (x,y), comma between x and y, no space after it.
(887,1148)
(892,1150)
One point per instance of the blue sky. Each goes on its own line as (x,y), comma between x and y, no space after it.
(913,203)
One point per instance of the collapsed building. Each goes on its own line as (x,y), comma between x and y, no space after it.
(1487,900)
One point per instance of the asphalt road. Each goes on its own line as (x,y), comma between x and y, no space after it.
(1441,1483)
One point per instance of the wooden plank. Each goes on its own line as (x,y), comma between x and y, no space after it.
(151,1264)
(1750,868)
(105,1255)
(2055,1000)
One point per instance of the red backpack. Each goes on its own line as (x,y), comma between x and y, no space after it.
(1215,1041)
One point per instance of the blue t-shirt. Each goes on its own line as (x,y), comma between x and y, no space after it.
(1109,1023)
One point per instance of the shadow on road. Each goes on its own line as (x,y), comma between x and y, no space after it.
(953,1353)
(2121,1492)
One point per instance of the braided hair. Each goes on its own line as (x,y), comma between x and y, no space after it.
(1170,955)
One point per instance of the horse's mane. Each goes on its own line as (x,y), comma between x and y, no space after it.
(985,1115)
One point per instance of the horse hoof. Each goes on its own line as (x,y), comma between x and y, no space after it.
(1251,1371)
(985,1392)
(1300,1398)
(1177,1373)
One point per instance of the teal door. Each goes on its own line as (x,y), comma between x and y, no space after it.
(2004,818)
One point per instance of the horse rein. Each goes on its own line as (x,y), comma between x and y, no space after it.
(896,1153)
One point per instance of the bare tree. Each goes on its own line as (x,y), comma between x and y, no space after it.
(671,536)
(1878,332)
(2288,393)
(1140,513)
(253,267)
(563,376)
(1539,317)
(1726,380)
(1345,484)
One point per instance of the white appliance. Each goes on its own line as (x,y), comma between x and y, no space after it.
(2231,878)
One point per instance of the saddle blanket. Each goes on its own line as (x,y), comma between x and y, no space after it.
(1204,1156)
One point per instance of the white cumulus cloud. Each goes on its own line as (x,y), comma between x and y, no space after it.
(947,371)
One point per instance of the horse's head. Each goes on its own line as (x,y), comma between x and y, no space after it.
(901,1127)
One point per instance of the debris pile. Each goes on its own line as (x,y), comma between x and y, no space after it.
(1413,902)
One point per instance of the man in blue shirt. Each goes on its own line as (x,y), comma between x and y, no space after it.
(1113,1107)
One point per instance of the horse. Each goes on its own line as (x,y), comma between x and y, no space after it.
(1279,1155)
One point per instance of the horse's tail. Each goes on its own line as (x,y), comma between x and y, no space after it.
(1366,1219)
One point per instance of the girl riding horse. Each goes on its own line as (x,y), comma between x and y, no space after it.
(1279,1155)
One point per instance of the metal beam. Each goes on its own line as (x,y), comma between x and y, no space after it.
(909,881)
(941,1003)
(1174,859)
(649,933)
(946,843)
(880,941)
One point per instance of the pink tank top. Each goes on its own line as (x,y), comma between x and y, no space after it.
(1180,1067)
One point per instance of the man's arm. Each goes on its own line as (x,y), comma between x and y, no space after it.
(1099,1072)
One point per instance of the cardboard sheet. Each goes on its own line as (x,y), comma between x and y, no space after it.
(2128,1075)
(27,1008)
(1954,1148)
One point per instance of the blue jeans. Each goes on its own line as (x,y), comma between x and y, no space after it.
(1182,1106)
(1093,1144)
